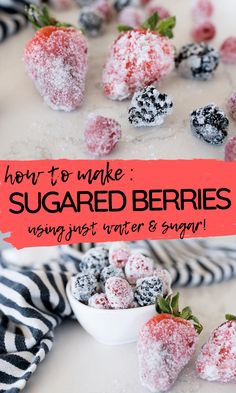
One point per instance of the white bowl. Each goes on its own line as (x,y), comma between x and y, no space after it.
(113,327)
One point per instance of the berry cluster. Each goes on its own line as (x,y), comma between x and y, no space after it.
(119,278)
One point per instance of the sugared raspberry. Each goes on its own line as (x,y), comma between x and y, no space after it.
(231,105)
(230,149)
(99,300)
(110,271)
(204,31)
(149,107)
(138,58)
(83,286)
(217,359)
(228,50)
(197,61)
(94,260)
(209,124)
(165,277)
(56,61)
(138,266)
(101,135)
(162,11)
(104,8)
(119,293)
(119,254)
(202,9)
(131,16)
(147,289)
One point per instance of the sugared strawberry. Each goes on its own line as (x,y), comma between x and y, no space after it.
(166,344)
(139,58)
(217,359)
(56,61)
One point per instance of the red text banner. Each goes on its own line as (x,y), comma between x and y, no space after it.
(64,201)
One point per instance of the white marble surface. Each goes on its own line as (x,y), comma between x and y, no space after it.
(30,130)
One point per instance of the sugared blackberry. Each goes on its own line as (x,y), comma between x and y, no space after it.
(209,124)
(110,271)
(197,61)
(91,22)
(94,260)
(83,286)
(149,107)
(119,5)
(147,289)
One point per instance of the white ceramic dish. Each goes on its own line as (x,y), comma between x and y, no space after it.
(113,327)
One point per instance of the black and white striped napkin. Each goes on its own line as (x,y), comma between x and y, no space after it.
(33,299)
(12,17)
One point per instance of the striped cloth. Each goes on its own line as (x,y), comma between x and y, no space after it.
(12,17)
(33,299)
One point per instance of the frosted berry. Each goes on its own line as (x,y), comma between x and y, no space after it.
(104,8)
(217,359)
(91,22)
(119,293)
(131,16)
(231,106)
(119,5)
(110,271)
(137,58)
(197,61)
(204,32)
(99,300)
(209,124)
(165,277)
(147,289)
(162,11)
(119,254)
(230,149)
(94,260)
(83,286)
(202,9)
(149,108)
(138,266)
(101,135)
(228,50)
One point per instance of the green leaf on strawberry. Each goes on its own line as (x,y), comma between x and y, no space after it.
(230,317)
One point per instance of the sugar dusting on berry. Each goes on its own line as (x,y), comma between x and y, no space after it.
(101,134)
(94,260)
(164,349)
(58,64)
(119,254)
(119,293)
(83,286)
(204,31)
(147,289)
(228,50)
(138,266)
(231,105)
(99,300)
(136,60)
(217,359)
(230,149)
(131,16)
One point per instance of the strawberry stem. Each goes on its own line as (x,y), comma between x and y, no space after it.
(230,317)
(162,26)
(170,305)
(39,17)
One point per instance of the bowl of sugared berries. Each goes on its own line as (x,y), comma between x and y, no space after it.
(115,292)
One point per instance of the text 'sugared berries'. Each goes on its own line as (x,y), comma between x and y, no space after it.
(231,105)
(197,61)
(99,300)
(166,344)
(119,293)
(131,16)
(228,50)
(149,108)
(119,254)
(83,286)
(101,134)
(230,149)
(138,58)
(91,22)
(138,266)
(110,271)
(209,124)
(94,260)
(147,289)
(56,60)
(217,359)
(204,31)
